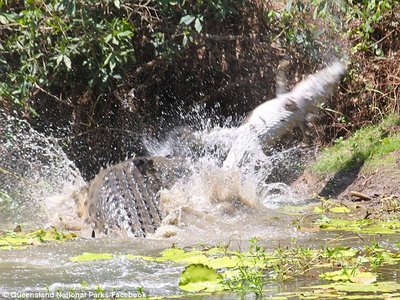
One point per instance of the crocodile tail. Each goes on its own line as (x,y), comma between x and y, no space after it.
(318,84)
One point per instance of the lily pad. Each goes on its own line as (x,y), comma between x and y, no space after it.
(354,277)
(87,256)
(336,209)
(361,226)
(352,287)
(19,240)
(199,277)
(340,252)
(378,287)
(215,258)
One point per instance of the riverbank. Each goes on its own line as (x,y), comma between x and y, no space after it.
(363,169)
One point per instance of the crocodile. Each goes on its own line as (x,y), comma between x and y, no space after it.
(124,197)
(271,120)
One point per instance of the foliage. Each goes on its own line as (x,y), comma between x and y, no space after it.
(347,267)
(369,91)
(350,276)
(365,18)
(199,277)
(330,205)
(66,47)
(62,44)
(306,33)
(248,278)
(73,64)
(86,256)
(18,239)
(193,15)
(365,226)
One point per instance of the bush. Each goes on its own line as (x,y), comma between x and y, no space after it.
(53,46)
(103,72)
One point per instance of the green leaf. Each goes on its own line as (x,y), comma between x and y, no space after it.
(187,19)
(108,59)
(362,225)
(112,65)
(378,287)
(117,3)
(125,33)
(348,275)
(199,277)
(16,240)
(108,37)
(7,18)
(87,256)
(318,209)
(315,14)
(197,25)
(3,20)
(71,8)
(340,209)
(185,40)
(67,62)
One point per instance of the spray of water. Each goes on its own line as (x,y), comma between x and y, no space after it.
(36,177)
(212,193)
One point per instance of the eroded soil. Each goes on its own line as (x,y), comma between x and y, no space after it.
(377,191)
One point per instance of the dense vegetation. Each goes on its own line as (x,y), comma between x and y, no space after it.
(104,72)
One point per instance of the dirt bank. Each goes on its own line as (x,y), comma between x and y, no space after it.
(377,190)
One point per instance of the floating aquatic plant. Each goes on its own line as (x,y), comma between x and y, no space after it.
(18,239)
(365,226)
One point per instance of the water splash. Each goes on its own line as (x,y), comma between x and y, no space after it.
(200,135)
(38,180)
(213,195)
(36,177)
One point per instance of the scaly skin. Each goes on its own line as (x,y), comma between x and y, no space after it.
(123,198)
(272,119)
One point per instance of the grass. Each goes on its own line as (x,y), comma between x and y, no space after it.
(368,146)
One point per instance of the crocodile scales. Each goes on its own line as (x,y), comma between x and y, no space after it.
(124,197)
(272,119)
